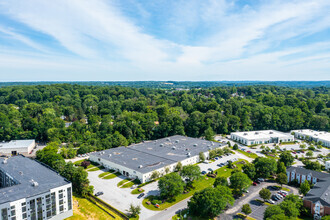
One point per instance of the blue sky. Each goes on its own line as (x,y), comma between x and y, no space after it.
(164,40)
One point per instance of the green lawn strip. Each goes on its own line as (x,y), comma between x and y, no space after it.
(243,216)
(285,189)
(128,185)
(136,191)
(94,169)
(78,162)
(122,182)
(251,155)
(104,174)
(111,176)
(146,183)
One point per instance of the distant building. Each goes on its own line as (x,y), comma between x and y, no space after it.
(311,135)
(327,165)
(318,198)
(15,147)
(261,137)
(30,190)
(139,161)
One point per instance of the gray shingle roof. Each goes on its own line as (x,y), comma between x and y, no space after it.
(23,170)
(155,154)
(321,189)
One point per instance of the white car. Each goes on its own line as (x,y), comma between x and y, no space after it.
(284,192)
(270,201)
(279,195)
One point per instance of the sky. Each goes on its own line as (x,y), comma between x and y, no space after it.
(183,40)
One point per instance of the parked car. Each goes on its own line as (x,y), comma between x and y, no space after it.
(206,162)
(203,172)
(279,195)
(140,196)
(261,179)
(285,192)
(255,184)
(99,193)
(270,201)
(219,165)
(217,158)
(210,169)
(274,197)
(245,190)
(282,194)
(257,181)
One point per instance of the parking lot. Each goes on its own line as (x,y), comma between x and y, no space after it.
(121,198)
(213,165)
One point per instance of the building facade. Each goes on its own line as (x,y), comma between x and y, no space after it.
(311,135)
(261,137)
(31,191)
(318,198)
(139,161)
(16,147)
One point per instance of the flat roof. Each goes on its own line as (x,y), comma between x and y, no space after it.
(16,144)
(250,135)
(323,135)
(24,170)
(156,154)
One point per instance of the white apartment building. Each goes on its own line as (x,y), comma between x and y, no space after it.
(327,165)
(261,137)
(317,136)
(15,147)
(31,191)
(139,161)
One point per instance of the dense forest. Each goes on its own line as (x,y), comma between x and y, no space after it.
(101,117)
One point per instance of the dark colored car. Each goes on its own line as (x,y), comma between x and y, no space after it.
(254,183)
(257,181)
(203,172)
(275,198)
(140,196)
(98,193)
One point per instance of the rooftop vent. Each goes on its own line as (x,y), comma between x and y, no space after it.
(195,145)
(34,183)
(256,132)
(271,132)
(173,147)
(188,154)
(21,173)
(109,155)
(161,145)
(140,166)
(245,134)
(168,139)
(4,161)
(177,141)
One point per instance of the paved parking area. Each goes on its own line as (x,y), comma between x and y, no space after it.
(121,198)
(213,165)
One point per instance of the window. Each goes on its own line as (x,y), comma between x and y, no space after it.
(24,215)
(53,199)
(39,208)
(12,211)
(4,214)
(33,209)
(69,198)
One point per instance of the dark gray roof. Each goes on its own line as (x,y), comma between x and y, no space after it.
(155,154)
(304,171)
(24,170)
(321,189)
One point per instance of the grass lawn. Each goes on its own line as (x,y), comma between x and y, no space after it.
(78,162)
(198,185)
(252,155)
(103,174)
(136,191)
(111,176)
(122,182)
(128,185)
(243,216)
(93,169)
(285,189)
(88,210)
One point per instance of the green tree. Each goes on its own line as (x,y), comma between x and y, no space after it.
(209,134)
(235,147)
(134,210)
(239,182)
(265,194)
(191,172)
(309,153)
(155,175)
(201,156)
(291,205)
(281,167)
(249,170)
(304,188)
(210,201)
(286,158)
(272,210)
(170,185)
(265,166)
(220,181)
(178,166)
(246,209)
(281,178)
